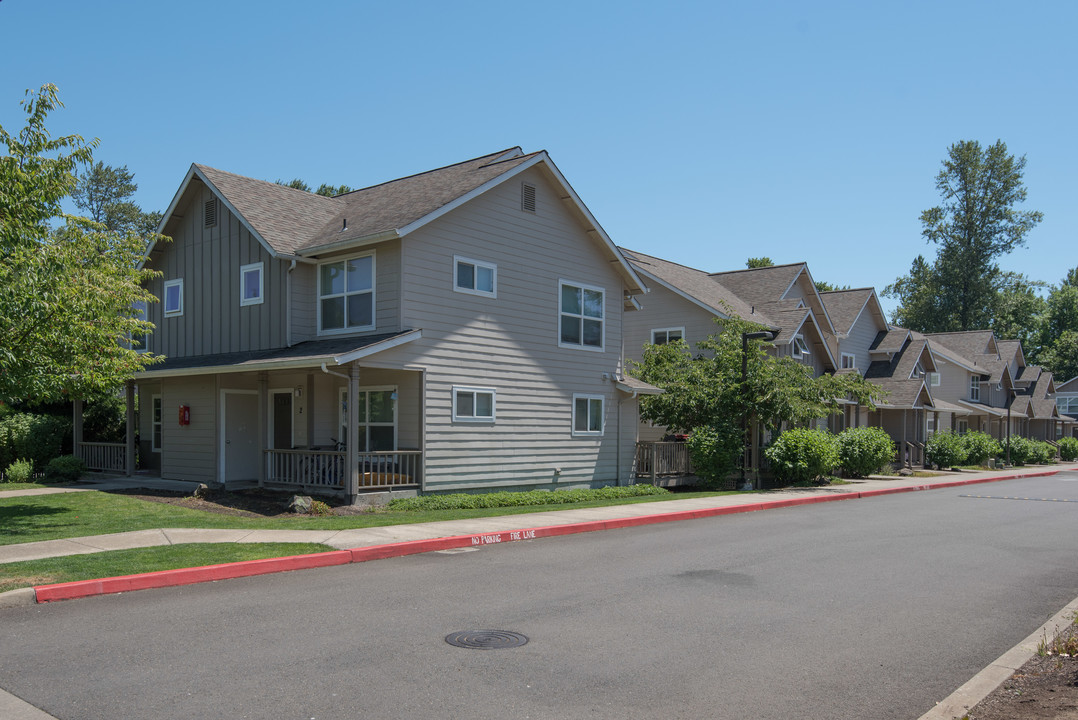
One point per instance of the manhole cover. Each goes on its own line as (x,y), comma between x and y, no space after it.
(486,639)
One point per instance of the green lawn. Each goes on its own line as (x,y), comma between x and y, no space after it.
(66,515)
(22,486)
(129,562)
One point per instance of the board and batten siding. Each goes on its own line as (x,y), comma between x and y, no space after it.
(387,289)
(189,452)
(510,344)
(209,261)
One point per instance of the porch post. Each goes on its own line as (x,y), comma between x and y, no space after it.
(76,427)
(263,426)
(905,446)
(129,399)
(353,433)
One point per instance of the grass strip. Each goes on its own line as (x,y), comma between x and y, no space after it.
(114,563)
(66,515)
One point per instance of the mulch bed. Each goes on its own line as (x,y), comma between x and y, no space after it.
(239,503)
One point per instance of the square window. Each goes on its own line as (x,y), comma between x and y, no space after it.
(473,404)
(346,295)
(251,284)
(582,317)
(475,277)
(587,415)
(934,379)
(173,298)
(849,361)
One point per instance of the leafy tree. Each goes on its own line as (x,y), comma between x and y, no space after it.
(1019,309)
(67,285)
(977,222)
(824,286)
(295,184)
(104,193)
(760,262)
(323,189)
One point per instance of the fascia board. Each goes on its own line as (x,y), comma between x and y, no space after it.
(168,213)
(815,292)
(228,369)
(681,293)
(232,208)
(349,244)
(378,347)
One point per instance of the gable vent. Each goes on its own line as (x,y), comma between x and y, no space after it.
(527,197)
(211,212)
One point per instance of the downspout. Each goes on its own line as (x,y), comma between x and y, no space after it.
(327,371)
(288,301)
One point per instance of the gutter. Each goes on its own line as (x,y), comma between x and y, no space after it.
(349,243)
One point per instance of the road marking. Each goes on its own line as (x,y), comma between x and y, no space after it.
(1007,497)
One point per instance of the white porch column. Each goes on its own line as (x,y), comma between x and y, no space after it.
(263,426)
(76,427)
(129,399)
(353,432)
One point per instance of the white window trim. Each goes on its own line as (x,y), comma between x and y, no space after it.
(962,426)
(798,347)
(374,295)
(260,267)
(458,259)
(667,331)
(602,336)
(164,299)
(476,418)
(587,433)
(158,424)
(342,419)
(975,385)
(853,361)
(934,379)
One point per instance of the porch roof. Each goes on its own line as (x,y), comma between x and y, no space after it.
(979,409)
(335,351)
(944,406)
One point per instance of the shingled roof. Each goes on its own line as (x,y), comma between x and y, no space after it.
(844,306)
(701,286)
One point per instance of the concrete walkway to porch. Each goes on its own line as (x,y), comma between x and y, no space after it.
(491,527)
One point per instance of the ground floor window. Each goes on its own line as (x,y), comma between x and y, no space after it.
(377,408)
(962,426)
(473,404)
(155,423)
(587,414)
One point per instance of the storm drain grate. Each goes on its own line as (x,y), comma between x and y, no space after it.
(486,639)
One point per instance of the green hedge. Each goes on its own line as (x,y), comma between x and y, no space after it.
(714,452)
(37,438)
(1068,449)
(980,447)
(802,455)
(945,450)
(467,501)
(864,450)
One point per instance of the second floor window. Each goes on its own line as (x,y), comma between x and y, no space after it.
(849,361)
(173,298)
(251,284)
(582,319)
(975,388)
(663,336)
(799,348)
(475,277)
(346,295)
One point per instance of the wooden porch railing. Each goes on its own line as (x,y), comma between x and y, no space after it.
(327,469)
(660,459)
(911,454)
(106,457)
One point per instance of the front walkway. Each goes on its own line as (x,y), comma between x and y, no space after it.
(486,527)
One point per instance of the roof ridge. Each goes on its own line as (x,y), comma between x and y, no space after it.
(668,262)
(305,193)
(766,267)
(847,290)
(450,165)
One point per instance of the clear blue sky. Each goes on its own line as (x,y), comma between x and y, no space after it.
(701,132)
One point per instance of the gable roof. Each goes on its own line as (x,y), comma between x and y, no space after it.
(696,286)
(293,223)
(846,306)
(1068,386)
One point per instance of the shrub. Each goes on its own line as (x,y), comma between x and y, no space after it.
(1022,450)
(714,453)
(979,447)
(1043,453)
(37,438)
(802,455)
(1068,449)
(864,450)
(319,507)
(65,468)
(945,450)
(19,471)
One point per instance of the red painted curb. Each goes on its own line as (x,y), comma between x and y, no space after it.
(248,568)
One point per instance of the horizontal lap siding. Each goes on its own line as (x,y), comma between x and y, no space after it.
(860,340)
(510,343)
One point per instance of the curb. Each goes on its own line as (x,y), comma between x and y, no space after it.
(249,568)
(981,685)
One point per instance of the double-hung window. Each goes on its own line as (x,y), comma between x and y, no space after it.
(251,285)
(588,415)
(662,336)
(581,314)
(173,298)
(346,295)
(975,388)
(475,277)
(472,404)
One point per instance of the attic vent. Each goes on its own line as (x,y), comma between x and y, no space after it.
(211,212)
(527,197)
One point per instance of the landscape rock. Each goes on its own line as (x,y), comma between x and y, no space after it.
(300,504)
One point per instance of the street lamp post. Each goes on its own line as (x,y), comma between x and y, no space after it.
(1010,401)
(745,337)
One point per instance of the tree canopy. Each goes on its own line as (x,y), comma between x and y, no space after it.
(68,285)
(104,193)
(323,189)
(977,222)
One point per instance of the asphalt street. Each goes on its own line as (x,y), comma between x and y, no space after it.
(875,608)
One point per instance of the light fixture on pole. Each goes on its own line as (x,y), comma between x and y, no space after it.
(745,337)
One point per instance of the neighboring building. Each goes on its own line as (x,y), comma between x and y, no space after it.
(901,366)
(1067,405)
(458,329)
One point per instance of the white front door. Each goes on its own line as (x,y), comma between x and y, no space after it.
(239,422)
